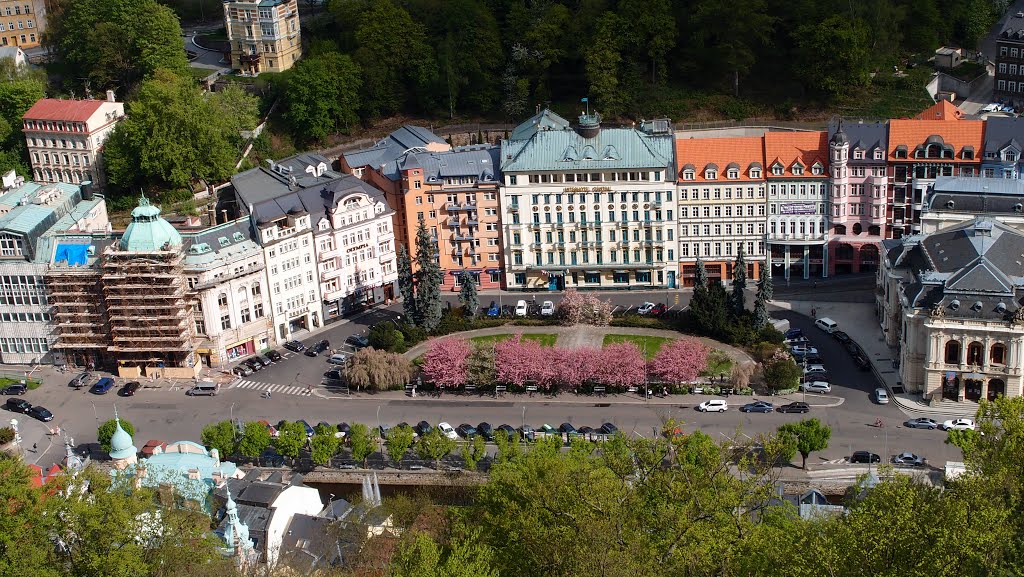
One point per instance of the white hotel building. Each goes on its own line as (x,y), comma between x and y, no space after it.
(588,207)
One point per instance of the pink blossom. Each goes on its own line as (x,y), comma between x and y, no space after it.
(445,362)
(621,364)
(512,362)
(680,361)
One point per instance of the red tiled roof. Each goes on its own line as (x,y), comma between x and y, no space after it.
(954,132)
(700,152)
(941,110)
(67,110)
(788,147)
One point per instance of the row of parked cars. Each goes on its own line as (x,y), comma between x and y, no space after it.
(19,405)
(467,431)
(259,362)
(103,385)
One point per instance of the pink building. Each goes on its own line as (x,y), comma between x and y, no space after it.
(857,211)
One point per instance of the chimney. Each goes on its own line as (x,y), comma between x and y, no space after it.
(223,215)
(110,96)
(86,187)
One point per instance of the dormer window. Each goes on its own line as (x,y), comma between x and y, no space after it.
(777,169)
(798,170)
(688,175)
(1010,156)
(878,154)
(817,169)
(858,154)
(733,173)
(755,173)
(900,152)
(711,174)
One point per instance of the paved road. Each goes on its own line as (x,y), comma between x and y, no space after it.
(170,415)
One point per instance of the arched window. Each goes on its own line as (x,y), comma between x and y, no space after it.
(952,352)
(255,289)
(997,354)
(857,229)
(975,353)
(222,299)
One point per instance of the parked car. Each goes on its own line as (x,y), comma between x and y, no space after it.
(466,431)
(852,347)
(357,342)
(959,425)
(102,386)
(797,340)
(714,406)
(841,337)
(521,308)
(129,389)
(253,364)
(486,430)
(908,459)
(659,309)
(589,433)
(812,359)
(645,308)
(295,346)
(242,370)
(792,333)
(865,457)
(81,380)
(338,359)
(493,310)
(344,428)
(568,429)
(825,377)
(15,389)
(547,309)
(447,430)
(318,348)
(528,433)
(820,387)
(862,361)
(549,431)
(17,405)
(274,356)
(422,428)
(270,428)
(609,429)
(758,407)
(815,368)
(921,423)
(40,412)
(801,350)
(507,430)
(334,375)
(264,360)
(881,396)
(796,407)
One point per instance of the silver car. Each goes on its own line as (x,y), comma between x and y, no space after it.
(908,459)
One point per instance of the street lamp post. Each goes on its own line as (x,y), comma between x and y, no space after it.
(524,417)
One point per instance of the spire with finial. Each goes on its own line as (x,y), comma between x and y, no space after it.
(121,445)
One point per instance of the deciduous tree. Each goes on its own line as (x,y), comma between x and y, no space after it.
(835,54)
(221,436)
(361,442)
(434,446)
(398,441)
(322,95)
(446,362)
(473,451)
(780,372)
(463,557)
(255,439)
(323,444)
(602,60)
(377,370)
(622,364)
(680,361)
(291,438)
(578,308)
(807,436)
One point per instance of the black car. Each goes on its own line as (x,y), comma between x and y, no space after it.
(797,407)
(344,428)
(295,346)
(568,429)
(486,430)
(758,407)
(38,412)
(317,348)
(588,432)
(466,431)
(333,375)
(423,428)
(253,364)
(357,341)
(242,370)
(824,377)
(274,356)
(861,361)
(15,389)
(841,337)
(129,389)
(865,457)
(81,380)
(262,360)
(609,429)
(18,405)
(812,359)
(508,430)
(852,347)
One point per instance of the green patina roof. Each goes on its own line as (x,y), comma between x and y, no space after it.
(546,142)
(121,446)
(149,232)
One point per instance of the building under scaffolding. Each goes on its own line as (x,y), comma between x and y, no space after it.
(129,306)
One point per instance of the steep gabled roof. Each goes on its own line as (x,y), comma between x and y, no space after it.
(697,153)
(789,148)
(941,110)
(942,120)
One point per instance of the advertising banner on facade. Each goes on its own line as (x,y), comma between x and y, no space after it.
(798,208)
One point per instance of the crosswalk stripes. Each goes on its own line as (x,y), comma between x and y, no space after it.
(835,461)
(280,389)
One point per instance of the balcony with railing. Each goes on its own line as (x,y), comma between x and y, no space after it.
(455,207)
(462,236)
(514,207)
(798,237)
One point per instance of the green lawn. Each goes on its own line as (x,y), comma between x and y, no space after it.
(545,339)
(30,383)
(200,73)
(650,345)
(719,364)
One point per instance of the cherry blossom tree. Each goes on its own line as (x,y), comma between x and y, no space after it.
(512,363)
(445,362)
(680,361)
(577,308)
(577,366)
(621,364)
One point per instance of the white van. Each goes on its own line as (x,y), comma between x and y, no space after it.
(521,309)
(204,389)
(826,324)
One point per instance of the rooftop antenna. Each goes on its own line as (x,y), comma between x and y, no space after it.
(586,101)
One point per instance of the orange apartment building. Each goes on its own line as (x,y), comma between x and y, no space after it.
(453,190)
(721,185)
(937,142)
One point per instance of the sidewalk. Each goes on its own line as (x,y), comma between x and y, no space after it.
(858,321)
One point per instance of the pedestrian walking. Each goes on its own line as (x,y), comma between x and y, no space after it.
(35,447)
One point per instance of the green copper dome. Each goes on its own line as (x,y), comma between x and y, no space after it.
(149,232)
(121,446)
